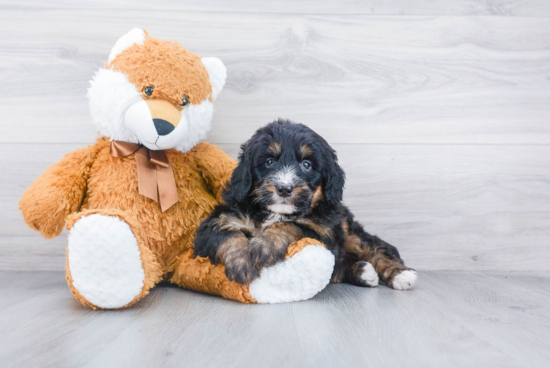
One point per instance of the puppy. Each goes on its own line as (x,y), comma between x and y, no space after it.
(287,186)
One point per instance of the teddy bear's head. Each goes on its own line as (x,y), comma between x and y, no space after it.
(155,93)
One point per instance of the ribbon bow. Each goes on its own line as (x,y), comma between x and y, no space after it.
(155,175)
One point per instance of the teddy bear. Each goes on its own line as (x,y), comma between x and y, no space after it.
(132,201)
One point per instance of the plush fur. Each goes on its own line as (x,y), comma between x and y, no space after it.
(117,101)
(121,244)
(288,185)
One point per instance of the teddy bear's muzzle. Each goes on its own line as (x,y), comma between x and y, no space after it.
(165,115)
(156,123)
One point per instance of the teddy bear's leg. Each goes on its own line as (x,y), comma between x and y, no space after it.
(108,265)
(305,272)
(197,273)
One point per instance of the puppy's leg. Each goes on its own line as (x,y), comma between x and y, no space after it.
(271,245)
(222,238)
(365,253)
(234,254)
(360,273)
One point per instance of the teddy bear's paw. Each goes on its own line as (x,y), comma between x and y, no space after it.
(104,261)
(299,277)
(405,280)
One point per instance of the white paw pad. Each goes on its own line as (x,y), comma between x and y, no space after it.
(405,280)
(369,275)
(300,277)
(105,261)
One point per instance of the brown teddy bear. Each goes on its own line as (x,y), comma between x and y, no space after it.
(133,201)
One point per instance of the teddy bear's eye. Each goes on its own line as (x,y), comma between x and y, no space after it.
(184,101)
(148,91)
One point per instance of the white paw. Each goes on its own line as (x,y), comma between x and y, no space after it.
(105,261)
(369,275)
(405,280)
(300,277)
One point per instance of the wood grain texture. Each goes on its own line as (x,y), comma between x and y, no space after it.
(354,79)
(446,207)
(371,7)
(448,319)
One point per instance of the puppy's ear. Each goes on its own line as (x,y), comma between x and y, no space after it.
(240,184)
(334,177)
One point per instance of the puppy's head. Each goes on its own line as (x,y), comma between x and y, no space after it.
(286,168)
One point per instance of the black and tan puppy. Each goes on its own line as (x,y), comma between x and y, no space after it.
(288,185)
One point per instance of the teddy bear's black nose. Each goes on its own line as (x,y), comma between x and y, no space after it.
(162,126)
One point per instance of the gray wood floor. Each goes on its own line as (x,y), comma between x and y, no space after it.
(449,320)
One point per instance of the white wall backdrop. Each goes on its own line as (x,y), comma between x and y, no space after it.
(439,110)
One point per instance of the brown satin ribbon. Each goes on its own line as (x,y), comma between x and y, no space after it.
(155,175)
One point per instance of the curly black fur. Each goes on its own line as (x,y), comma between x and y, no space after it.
(284,157)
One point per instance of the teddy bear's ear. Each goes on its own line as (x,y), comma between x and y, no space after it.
(217,73)
(136,35)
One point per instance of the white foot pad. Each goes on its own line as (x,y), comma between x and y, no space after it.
(105,261)
(369,275)
(405,280)
(300,277)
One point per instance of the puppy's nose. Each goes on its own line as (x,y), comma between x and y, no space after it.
(162,126)
(284,190)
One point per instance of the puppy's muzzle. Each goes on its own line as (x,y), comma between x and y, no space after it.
(284,190)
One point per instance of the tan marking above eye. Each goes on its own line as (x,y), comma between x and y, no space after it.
(305,151)
(274,149)
(162,109)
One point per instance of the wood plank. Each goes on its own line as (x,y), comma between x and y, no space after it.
(447,207)
(449,319)
(534,282)
(355,79)
(373,7)
(24,286)
(512,318)
(454,207)
(32,252)
(374,320)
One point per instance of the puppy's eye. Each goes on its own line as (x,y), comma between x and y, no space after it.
(306,165)
(184,101)
(148,91)
(269,162)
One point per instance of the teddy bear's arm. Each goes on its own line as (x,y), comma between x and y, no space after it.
(216,167)
(56,193)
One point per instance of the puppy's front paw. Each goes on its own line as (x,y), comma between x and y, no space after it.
(240,269)
(266,252)
(405,280)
